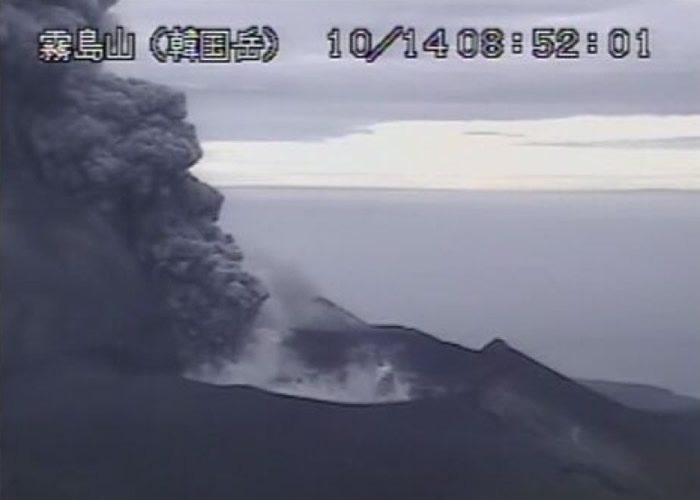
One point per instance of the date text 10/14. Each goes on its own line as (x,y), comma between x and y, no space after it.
(492,43)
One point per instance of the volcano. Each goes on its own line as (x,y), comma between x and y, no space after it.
(485,424)
(117,281)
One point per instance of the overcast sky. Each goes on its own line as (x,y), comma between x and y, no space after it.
(514,123)
(305,96)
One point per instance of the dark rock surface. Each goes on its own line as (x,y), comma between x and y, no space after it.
(92,435)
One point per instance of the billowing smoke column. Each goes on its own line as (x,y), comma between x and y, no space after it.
(122,148)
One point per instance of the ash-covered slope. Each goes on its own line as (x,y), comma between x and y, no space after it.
(93,435)
(589,436)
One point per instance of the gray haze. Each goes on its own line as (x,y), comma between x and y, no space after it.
(601,286)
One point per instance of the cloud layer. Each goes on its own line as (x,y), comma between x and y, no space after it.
(582,153)
(305,95)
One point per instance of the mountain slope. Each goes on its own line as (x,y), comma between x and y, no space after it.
(148,437)
(80,423)
(644,397)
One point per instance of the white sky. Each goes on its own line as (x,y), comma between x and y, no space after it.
(635,152)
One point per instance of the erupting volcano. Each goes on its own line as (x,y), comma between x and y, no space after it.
(121,294)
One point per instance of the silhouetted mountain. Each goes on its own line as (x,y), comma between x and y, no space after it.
(644,397)
(504,428)
(79,422)
(94,435)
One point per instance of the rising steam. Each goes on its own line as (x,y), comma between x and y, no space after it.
(270,360)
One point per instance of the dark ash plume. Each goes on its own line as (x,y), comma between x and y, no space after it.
(122,149)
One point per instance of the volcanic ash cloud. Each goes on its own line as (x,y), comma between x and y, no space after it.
(122,149)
